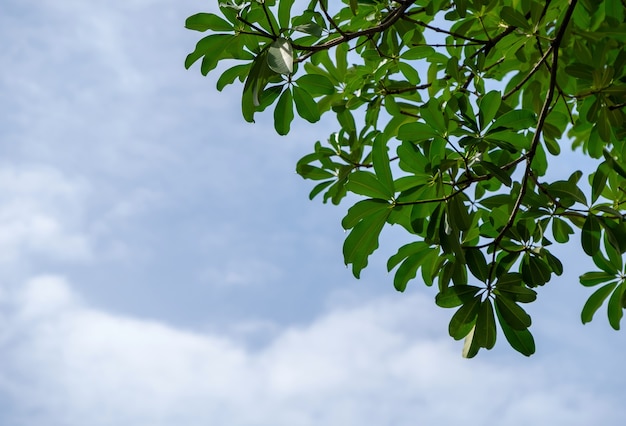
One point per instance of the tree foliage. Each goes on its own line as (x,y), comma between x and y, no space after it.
(450,114)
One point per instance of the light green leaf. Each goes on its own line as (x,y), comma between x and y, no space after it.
(488,107)
(416,132)
(280,56)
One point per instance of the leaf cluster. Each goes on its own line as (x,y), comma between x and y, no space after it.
(449,115)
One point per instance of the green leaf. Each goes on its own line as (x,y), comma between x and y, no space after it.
(404,252)
(280,56)
(470,347)
(366,183)
(512,313)
(497,172)
(485,331)
(451,297)
(257,80)
(520,340)
(229,76)
(211,48)
(535,271)
(590,235)
(316,84)
(207,21)
(488,107)
(362,210)
(516,292)
(561,230)
(477,264)
(520,119)
(614,164)
(382,168)
(514,18)
(464,318)
(614,308)
(599,181)
(305,105)
(283,114)
(565,190)
(408,270)
(595,301)
(589,279)
(363,240)
(458,214)
(284,12)
(416,132)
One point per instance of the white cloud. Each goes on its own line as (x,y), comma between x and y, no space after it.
(385,362)
(41,214)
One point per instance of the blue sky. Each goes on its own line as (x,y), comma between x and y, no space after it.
(161,264)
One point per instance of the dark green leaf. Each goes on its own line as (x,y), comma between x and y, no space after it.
(207,21)
(305,105)
(512,313)
(366,183)
(590,236)
(284,12)
(363,240)
(561,230)
(497,172)
(514,18)
(520,340)
(517,120)
(362,210)
(595,301)
(485,331)
(451,297)
(477,264)
(316,84)
(589,279)
(565,190)
(380,158)
(283,114)
(464,318)
(614,308)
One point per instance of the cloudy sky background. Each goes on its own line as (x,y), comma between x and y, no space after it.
(161,264)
